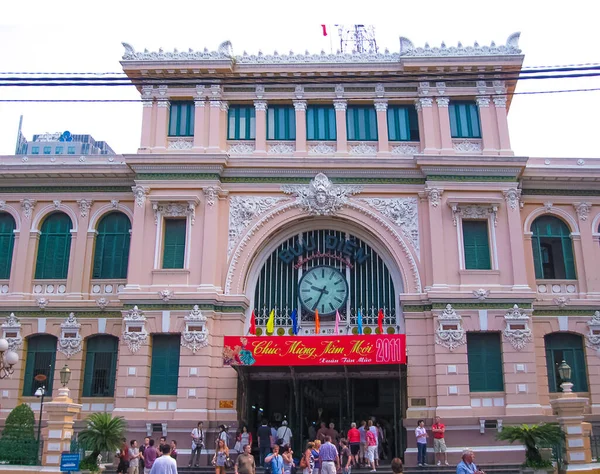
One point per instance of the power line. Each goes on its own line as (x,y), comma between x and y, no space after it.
(560,91)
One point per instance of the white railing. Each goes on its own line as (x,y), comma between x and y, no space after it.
(107,287)
(180,143)
(362,148)
(322,148)
(405,148)
(557,287)
(281,147)
(49,287)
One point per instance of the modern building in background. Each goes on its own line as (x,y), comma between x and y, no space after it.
(262,178)
(62,144)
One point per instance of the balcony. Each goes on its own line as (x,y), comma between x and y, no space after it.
(557,287)
(49,287)
(107,287)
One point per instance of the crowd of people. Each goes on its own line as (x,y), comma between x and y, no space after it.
(148,458)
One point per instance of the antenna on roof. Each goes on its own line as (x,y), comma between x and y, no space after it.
(357,38)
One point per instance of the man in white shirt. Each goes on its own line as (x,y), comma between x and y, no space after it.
(197,444)
(284,433)
(164,464)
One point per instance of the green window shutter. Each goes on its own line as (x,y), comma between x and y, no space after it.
(361,123)
(181,119)
(164,372)
(537,256)
(484,357)
(100,366)
(552,233)
(41,358)
(7,242)
(567,347)
(111,254)
(241,123)
(54,247)
(476,245)
(464,120)
(569,261)
(174,243)
(281,123)
(320,123)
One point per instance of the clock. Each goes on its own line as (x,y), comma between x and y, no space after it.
(324,289)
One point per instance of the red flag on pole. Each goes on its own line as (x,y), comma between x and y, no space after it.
(252,329)
(324,30)
(380,321)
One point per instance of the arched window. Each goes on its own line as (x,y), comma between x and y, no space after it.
(40,359)
(111,255)
(100,366)
(552,249)
(7,242)
(567,347)
(54,248)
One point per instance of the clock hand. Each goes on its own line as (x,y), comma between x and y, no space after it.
(322,290)
(318,300)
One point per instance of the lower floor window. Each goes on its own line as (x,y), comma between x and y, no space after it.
(485,362)
(567,347)
(164,371)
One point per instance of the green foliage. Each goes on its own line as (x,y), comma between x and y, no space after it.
(533,437)
(20,424)
(102,433)
(89,464)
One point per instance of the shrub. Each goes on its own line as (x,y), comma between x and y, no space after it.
(533,437)
(18,444)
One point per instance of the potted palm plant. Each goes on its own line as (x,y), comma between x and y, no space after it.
(103,433)
(535,438)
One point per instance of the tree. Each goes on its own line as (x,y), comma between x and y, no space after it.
(102,433)
(18,444)
(533,437)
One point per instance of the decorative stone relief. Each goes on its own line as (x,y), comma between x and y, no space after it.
(175,209)
(450,332)
(211,194)
(281,149)
(321,197)
(380,90)
(548,205)
(114,203)
(102,303)
(422,102)
(180,144)
(70,341)
(242,211)
(499,101)
(195,335)
(57,204)
(299,105)
(84,206)
(134,331)
(42,302)
(259,91)
(260,105)
(483,101)
(340,104)
(517,330)
(561,301)
(593,336)
(405,150)
(339,92)
(434,195)
(11,331)
(362,149)
(407,48)
(299,92)
(381,105)
(2,205)
(582,209)
(474,212)
(442,101)
(166,294)
(466,146)
(481,294)
(27,205)
(512,197)
(321,148)
(240,148)
(140,193)
(403,212)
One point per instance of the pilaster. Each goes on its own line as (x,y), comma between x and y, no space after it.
(199,120)
(148,117)
(340,106)
(61,412)
(136,271)
(589,248)
(300,108)
(517,243)
(260,142)
(502,124)
(80,250)
(444,124)
(162,118)
(424,106)
(20,270)
(487,126)
(381,106)
(215,125)
(211,241)
(436,235)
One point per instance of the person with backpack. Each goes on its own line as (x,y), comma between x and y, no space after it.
(284,434)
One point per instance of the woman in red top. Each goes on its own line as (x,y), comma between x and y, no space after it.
(354,441)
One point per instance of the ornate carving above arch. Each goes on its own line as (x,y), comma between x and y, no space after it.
(13,212)
(113,206)
(289,214)
(596,224)
(549,209)
(57,206)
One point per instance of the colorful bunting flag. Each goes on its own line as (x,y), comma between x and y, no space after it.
(271,322)
(317,323)
(359,322)
(337,322)
(295,322)
(252,329)
(380,321)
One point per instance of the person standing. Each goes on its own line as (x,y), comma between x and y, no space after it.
(345,457)
(288,458)
(223,435)
(284,434)
(161,443)
(221,455)
(315,454)
(373,429)
(264,441)
(307,463)
(174,450)
(142,449)
(134,457)
(467,466)
(439,442)
(354,441)
(123,466)
(371,449)
(333,434)
(243,438)
(197,444)
(421,434)
(165,464)
(273,435)
(150,455)
(363,442)
(396,466)
(275,461)
(322,432)
(329,457)
(245,464)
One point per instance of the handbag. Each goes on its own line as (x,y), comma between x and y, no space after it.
(303,463)
(228,463)
(280,441)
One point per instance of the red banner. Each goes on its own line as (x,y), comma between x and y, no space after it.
(315,350)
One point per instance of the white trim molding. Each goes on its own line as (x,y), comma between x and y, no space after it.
(549,208)
(517,330)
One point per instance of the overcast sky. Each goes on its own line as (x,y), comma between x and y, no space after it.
(69,36)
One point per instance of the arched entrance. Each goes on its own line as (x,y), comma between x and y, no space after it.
(337,258)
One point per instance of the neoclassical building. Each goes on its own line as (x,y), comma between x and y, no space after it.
(379,190)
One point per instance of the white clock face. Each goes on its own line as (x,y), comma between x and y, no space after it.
(324,289)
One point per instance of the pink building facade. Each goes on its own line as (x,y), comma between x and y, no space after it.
(395,169)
